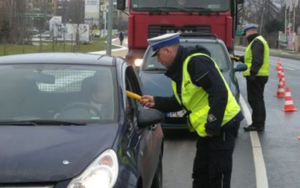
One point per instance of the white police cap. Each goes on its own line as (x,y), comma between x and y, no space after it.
(249,26)
(163,40)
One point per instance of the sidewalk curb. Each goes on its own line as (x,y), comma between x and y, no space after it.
(103,52)
(274,52)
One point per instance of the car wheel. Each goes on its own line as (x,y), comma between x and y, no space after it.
(158,177)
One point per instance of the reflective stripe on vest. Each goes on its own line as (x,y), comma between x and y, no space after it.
(195,100)
(264,69)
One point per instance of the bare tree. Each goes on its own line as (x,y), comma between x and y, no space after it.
(19,23)
(261,12)
(14,13)
(11,11)
(76,14)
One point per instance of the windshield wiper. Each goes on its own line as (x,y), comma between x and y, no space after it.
(200,9)
(150,9)
(173,8)
(162,9)
(155,69)
(166,9)
(40,122)
(17,123)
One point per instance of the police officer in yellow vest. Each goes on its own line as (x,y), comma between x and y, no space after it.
(256,58)
(200,89)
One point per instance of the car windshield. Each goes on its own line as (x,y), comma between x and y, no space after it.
(180,5)
(218,53)
(57,94)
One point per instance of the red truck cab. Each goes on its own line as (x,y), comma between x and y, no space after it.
(150,18)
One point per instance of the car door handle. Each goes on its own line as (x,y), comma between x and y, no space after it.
(153,127)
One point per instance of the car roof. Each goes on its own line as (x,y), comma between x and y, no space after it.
(186,39)
(59,58)
(199,40)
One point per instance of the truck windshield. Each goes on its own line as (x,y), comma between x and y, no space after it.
(180,5)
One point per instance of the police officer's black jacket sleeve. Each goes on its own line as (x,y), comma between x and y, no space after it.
(242,58)
(167,104)
(257,49)
(204,74)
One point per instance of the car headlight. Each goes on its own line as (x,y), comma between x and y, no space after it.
(138,62)
(102,172)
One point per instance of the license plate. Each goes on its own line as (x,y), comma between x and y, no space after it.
(178,114)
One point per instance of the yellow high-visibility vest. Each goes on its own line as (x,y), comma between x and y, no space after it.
(195,100)
(264,69)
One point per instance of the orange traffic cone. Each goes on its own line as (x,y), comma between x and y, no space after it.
(282,77)
(279,73)
(278,65)
(288,104)
(280,90)
(283,81)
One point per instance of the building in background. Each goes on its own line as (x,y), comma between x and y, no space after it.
(92,13)
(36,14)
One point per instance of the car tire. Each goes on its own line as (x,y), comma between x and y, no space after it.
(158,177)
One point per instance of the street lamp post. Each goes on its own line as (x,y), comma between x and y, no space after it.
(104,11)
(109,32)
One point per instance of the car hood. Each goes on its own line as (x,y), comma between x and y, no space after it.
(50,154)
(156,83)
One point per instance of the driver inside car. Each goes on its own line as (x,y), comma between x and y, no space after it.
(95,102)
(100,96)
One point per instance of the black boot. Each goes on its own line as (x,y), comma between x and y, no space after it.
(254,128)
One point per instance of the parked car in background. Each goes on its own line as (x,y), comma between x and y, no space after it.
(43,35)
(96,33)
(65,121)
(156,83)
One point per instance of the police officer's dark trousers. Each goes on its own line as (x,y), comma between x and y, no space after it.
(255,94)
(213,161)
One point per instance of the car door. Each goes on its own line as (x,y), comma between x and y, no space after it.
(146,151)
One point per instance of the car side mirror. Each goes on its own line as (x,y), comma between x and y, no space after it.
(121,4)
(240,67)
(148,117)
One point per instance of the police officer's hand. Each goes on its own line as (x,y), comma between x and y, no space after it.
(237,57)
(234,57)
(148,101)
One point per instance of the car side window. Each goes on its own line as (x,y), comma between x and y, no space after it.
(151,63)
(129,107)
(131,104)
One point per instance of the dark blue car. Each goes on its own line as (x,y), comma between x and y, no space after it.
(65,121)
(156,83)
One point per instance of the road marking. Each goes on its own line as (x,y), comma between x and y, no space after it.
(259,163)
(103,52)
(289,68)
(283,67)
